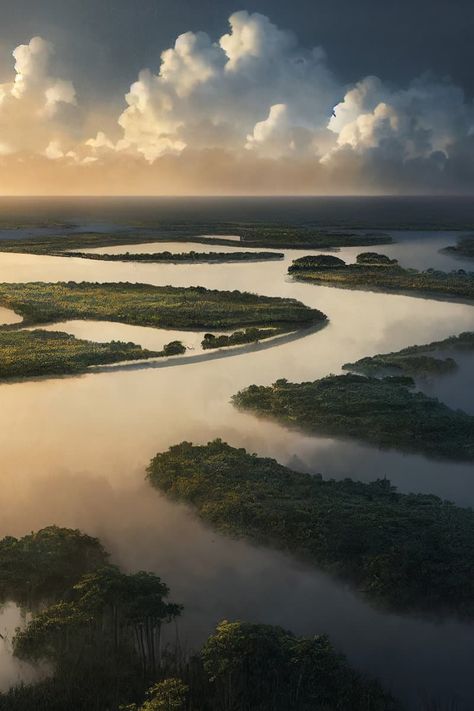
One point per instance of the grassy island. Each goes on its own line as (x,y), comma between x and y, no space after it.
(26,354)
(191,257)
(99,631)
(377,272)
(416,360)
(407,551)
(157,306)
(464,247)
(386,412)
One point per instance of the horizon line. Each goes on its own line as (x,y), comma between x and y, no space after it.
(195,196)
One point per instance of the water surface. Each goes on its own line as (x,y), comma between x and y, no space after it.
(89,439)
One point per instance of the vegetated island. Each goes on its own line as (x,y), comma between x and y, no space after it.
(385,412)
(409,552)
(36,353)
(378,272)
(156,306)
(464,247)
(191,257)
(251,236)
(99,630)
(416,360)
(26,354)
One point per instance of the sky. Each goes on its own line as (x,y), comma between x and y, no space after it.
(266,97)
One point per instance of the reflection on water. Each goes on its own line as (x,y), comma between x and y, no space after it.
(89,439)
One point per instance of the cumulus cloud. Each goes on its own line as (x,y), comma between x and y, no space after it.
(33,102)
(426,117)
(249,111)
(230,93)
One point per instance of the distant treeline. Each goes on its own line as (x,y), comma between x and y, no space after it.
(188,257)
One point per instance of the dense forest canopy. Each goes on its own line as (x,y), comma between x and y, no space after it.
(406,551)
(100,631)
(386,412)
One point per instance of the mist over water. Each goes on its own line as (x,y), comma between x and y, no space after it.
(74,452)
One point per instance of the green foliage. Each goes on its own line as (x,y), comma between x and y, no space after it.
(174,348)
(111,615)
(52,634)
(249,335)
(375,258)
(35,353)
(416,360)
(103,647)
(44,565)
(256,667)
(410,552)
(167,695)
(102,633)
(385,412)
(392,278)
(191,257)
(158,306)
(318,261)
(241,667)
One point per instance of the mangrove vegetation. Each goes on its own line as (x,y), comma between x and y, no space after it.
(386,412)
(410,552)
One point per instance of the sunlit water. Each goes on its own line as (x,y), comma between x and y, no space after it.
(74,452)
(8,317)
(151,338)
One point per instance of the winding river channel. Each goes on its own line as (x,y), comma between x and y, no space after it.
(74,451)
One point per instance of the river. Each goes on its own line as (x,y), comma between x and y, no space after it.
(74,452)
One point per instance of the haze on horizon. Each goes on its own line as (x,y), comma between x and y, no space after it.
(182,98)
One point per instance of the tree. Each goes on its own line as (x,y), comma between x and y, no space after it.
(167,695)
